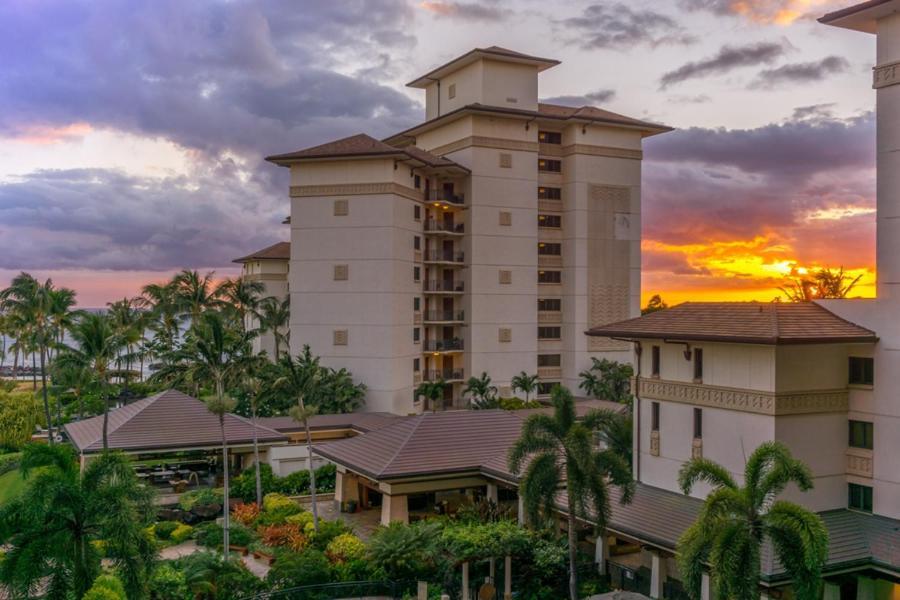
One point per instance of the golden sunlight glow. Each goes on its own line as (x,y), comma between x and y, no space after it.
(837,213)
(45,134)
(778,12)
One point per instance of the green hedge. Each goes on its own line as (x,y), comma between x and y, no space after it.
(9,462)
(295,484)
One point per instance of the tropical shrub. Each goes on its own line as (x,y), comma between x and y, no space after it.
(181,533)
(305,568)
(168,583)
(210,535)
(210,576)
(295,484)
(19,413)
(287,535)
(164,529)
(244,485)
(326,476)
(106,587)
(9,462)
(405,552)
(518,404)
(245,514)
(276,510)
(345,548)
(201,497)
(328,531)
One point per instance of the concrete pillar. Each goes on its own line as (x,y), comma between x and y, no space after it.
(422,590)
(601,552)
(507,578)
(492,492)
(831,591)
(346,488)
(394,508)
(865,588)
(657,574)
(492,570)
(465,581)
(521,511)
(705,591)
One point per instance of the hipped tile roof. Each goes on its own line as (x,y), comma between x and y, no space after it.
(279,251)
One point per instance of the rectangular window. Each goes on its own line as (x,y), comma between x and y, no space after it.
(417,242)
(549,193)
(550,137)
(545,387)
(549,166)
(417,333)
(549,333)
(451,91)
(416,365)
(417,274)
(859,497)
(547,249)
(549,360)
(654,361)
(550,277)
(654,416)
(554,221)
(861,435)
(417,212)
(417,304)
(698,364)
(417,181)
(549,304)
(698,423)
(862,370)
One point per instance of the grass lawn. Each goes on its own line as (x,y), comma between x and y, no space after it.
(11,485)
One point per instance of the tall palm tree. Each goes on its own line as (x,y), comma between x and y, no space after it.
(241,297)
(432,391)
(50,527)
(557,452)
(523,382)
(74,378)
(194,293)
(97,347)
(482,393)
(274,317)
(61,309)
(251,369)
(824,283)
(126,318)
(735,520)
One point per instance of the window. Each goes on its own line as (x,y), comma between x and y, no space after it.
(549,166)
(417,304)
(417,274)
(505,218)
(545,387)
(654,361)
(417,242)
(862,370)
(549,333)
(451,91)
(504,334)
(341,272)
(654,416)
(417,212)
(549,193)
(861,435)
(549,304)
(549,360)
(698,364)
(554,221)
(417,334)
(698,423)
(550,137)
(417,182)
(552,277)
(505,277)
(505,160)
(341,208)
(339,337)
(545,249)
(859,497)
(417,365)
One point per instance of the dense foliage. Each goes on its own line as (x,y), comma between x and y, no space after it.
(295,484)
(19,413)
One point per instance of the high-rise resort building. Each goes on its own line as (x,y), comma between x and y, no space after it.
(486,239)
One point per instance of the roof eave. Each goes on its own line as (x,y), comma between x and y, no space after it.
(860,17)
(286,160)
(769,341)
(471,56)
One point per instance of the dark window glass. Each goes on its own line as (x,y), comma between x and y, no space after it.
(549,276)
(417,304)
(554,221)
(417,242)
(549,360)
(417,212)
(545,387)
(551,166)
(654,361)
(698,423)
(698,364)
(417,274)
(416,364)
(417,181)
(549,304)
(549,193)
(859,497)
(862,370)
(654,420)
(549,333)
(861,435)
(550,137)
(416,334)
(547,249)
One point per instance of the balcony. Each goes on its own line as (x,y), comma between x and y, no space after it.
(442,228)
(453,345)
(549,260)
(549,316)
(444,256)
(551,205)
(549,372)
(437,286)
(445,197)
(444,316)
(445,375)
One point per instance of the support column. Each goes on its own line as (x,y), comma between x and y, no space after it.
(865,588)
(705,591)
(492,570)
(492,492)
(394,507)
(422,590)
(507,578)
(831,591)
(346,489)
(601,551)
(465,580)
(657,574)
(521,514)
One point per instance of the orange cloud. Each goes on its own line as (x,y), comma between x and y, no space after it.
(47,134)
(778,12)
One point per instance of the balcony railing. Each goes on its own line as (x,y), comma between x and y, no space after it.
(443,345)
(432,225)
(444,315)
(444,256)
(436,285)
(444,375)
(444,196)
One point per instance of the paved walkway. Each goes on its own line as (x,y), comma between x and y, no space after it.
(179,550)
(363,523)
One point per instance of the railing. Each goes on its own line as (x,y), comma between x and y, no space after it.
(349,589)
(444,256)
(437,285)
(444,315)
(440,226)
(444,374)
(443,345)
(444,196)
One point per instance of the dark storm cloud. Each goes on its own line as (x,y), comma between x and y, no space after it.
(727,59)
(801,72)
(595,97)
(619,27)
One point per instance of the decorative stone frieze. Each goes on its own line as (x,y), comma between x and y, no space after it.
(860,462)
(885,75)
(697,448)
(654,443)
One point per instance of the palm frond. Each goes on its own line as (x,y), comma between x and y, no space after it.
(702,469)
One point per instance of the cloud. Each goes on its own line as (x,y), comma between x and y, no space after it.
(467,11)
(619,27)
(779,12)
(814,111)
(727,59)
(595,97)
(800,72)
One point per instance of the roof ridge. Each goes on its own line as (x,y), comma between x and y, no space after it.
(837,316)
(402,445)
(776,324)
(252,424)
(149,401)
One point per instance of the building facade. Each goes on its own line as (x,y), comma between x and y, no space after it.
(270,267)
(484,240)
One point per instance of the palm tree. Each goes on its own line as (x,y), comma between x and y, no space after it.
(251,367)
(607,379)
(74,378)
(194,293)
(62,302)
(481,392)
(523,382)
(127,321)
(241,296)
(735,520)
(615,430)
(824,283)
(274,316)
(433,391)
(97,347)
(551,446)
(50,527)
(656,303)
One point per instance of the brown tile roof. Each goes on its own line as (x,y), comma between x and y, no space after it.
(279,251)
(359,421)
(495,52)
(167,420)
(741,322)
(591,113)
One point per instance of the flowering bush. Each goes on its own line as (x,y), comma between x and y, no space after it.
(245,514)
(344,548)
(277,502)
(287,535)
(304,520)
(181,533)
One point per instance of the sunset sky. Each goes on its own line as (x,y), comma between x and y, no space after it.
(132,133)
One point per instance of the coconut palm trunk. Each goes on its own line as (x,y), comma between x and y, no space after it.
(312,470)
(46,399)
(573,550)
(256,468)
(226,510)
